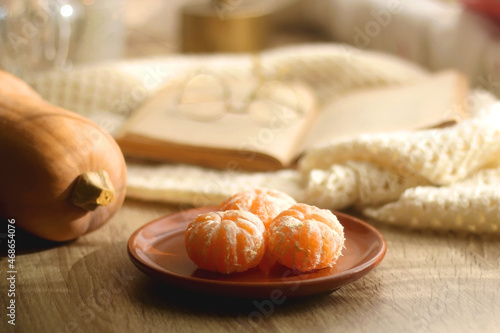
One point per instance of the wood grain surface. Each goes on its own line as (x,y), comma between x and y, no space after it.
(427,283)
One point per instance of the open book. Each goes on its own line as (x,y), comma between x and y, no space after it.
(268,126)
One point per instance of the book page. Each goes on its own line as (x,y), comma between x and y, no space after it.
(431,102)
(204,118)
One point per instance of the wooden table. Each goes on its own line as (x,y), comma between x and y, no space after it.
(427,283)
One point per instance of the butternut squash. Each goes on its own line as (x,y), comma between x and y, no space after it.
(61,175)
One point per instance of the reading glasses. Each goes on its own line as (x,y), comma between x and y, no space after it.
(207,97)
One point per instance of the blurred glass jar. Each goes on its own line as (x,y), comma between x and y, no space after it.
(39,35)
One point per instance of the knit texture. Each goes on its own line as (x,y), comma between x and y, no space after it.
(443,179)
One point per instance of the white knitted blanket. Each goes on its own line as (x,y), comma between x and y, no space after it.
(444,179)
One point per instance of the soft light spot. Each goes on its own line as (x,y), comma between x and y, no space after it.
(66,10)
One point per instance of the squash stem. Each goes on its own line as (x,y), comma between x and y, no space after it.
(92,190)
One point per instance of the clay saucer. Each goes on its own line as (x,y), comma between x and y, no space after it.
(158,250)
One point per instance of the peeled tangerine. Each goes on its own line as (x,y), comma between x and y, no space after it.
(226,241)
(306,238)
(265,203)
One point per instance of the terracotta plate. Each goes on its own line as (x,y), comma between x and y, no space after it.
(157,249)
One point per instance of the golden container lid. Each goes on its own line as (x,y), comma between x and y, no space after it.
(220,27)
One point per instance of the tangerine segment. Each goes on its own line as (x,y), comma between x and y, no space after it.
(306,238)
(226,242)
(265,203)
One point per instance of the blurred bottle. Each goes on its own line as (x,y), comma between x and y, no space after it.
(103,36)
